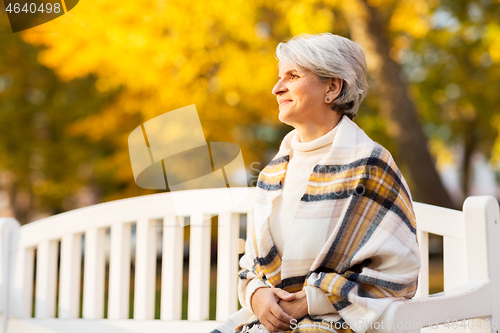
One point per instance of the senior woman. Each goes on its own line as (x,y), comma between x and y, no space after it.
(332,236)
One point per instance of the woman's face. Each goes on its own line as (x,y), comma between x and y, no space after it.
(301,96)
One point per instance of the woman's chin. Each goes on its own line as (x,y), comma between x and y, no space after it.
(282,116)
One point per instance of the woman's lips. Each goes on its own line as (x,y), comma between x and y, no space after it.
(284,101)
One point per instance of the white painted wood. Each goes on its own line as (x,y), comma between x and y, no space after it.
(131,209)
(93,279)
(439,220)
(423,277)
(454,262)
(483,249)
(440,308)
(46,280)
(7,227)
(69,276)
(227,265)
(478,296)
(493,235)
(477,325)
(102,216)
(172,269)
(476,218)
(22,263)
(32,325)
(145,269)
(119,271)
(199,267)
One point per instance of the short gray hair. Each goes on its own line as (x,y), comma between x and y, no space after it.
(330,56)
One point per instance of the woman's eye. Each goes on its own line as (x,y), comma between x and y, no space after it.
(293,76)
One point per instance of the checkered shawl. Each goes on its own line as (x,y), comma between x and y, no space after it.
(358,208)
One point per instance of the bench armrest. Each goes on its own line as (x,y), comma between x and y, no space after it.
(413,314)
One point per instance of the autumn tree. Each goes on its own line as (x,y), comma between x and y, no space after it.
(457,79)
(43,170)
(396,107)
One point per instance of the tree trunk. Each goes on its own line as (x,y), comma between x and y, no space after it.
(397,109)
(20,210)
(469,147)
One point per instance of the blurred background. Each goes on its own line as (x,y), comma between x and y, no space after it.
(73,89)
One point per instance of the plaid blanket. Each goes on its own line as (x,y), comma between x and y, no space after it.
(353,236)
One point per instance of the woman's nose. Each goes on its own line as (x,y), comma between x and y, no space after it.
(279,88)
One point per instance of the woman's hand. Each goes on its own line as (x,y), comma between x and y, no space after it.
(264,303)
(297,308)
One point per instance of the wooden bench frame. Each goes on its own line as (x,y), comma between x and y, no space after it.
(471,266)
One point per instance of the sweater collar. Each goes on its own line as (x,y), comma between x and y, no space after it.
(343,136)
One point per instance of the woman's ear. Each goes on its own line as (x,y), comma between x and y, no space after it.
(334,88)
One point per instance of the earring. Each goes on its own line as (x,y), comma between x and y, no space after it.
(328,100)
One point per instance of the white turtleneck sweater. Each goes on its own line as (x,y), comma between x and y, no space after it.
(304,157)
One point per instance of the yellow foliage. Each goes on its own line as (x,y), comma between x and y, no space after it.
(467,111)
(441,152)
(380,3)
(109,39)
(402,42)
(495,51)
(492,38)
(173,54)
(495,153)
(96,127)
(411,16)
(304,17)
(177,53)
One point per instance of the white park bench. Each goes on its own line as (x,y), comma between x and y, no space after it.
(471,267)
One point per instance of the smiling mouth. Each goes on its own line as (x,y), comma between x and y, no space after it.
(284,101)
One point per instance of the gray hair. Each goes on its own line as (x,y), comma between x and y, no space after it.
(330,56)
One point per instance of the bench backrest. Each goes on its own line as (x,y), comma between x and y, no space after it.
(465,245)
(147,212)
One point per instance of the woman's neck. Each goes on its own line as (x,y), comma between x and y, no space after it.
(311,131)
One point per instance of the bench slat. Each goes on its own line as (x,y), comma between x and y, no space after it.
(453,262)
(423,276)
(93,280)
(119,271)
(46,279)
(69,285)
(172,267)
(21,281)
(227,265)
(145,269)
(199,267)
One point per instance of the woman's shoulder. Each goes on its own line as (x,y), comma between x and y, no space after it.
(367,144)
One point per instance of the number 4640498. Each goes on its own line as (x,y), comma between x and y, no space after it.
(32,8)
